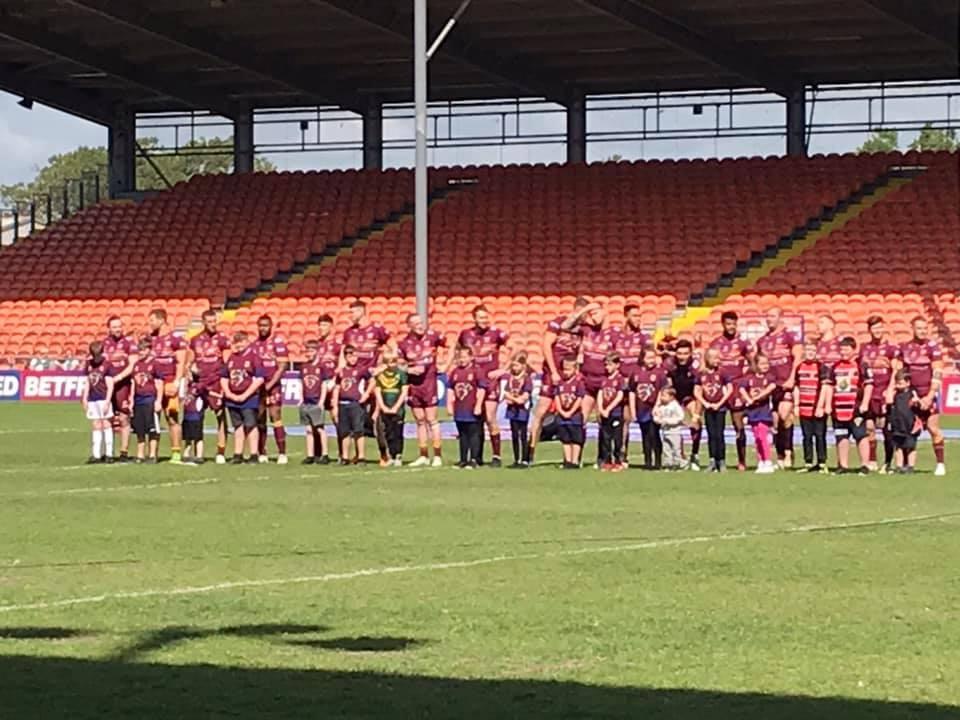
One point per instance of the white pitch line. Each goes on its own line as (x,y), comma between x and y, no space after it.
(458,564)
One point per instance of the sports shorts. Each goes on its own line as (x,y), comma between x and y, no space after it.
(593,385)
(781,394)
(212,397)
(145,421)
(352,420)
(570,434)
(193,430)
(99,410)
(311,414)
(245,418)
(123,398)
(843,429)
(272,397)
(905,442)
(424,395)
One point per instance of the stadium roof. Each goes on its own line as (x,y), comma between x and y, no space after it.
(86,56)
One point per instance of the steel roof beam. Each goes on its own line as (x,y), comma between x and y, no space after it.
(909,15)
(89,106)
(724,55)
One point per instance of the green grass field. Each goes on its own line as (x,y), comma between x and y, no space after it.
(292,592)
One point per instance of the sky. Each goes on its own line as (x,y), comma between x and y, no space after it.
(29,138)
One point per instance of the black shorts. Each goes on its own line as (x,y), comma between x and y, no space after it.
(144,421)
(243,417)
(843,429)
(905,442)
(193,430)
(352,420)
(570,434)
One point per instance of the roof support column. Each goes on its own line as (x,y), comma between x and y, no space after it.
(797,121)
(577,129)
(373,136)
(121,152)
(243,147)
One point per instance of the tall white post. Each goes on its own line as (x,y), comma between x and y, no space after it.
(420,101)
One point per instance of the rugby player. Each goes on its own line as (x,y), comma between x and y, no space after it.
(121,354)
(368,340)
(597,343)
(735,356)
(209,350)
(631,342)
(828,344)
(785,353)
(923,359)
(849,387)
(880,356)
(684,377)
(561,340)
(274,359)
(645,386)
(329,350)
(419,350)
(486,341)
(170,361)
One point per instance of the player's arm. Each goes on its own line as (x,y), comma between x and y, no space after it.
(936,381)
(826,392)
(698,396)
(283,362)
(481,396)
(224,388)
(132,359)
(450,400)
(615,402)
(867,390)
(181,356)
(158,397)
(85,396)
(632,401)
(401,400)
(727,393)
(549,339)
(110,384)
(797,354)
(254,386)
(378,395)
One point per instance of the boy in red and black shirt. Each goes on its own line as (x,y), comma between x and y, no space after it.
(850,386)
(809,398)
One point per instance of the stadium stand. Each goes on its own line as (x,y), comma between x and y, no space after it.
(523,240)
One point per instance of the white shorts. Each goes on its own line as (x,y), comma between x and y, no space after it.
(99,410)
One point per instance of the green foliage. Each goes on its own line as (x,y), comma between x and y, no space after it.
(84,162)
(931,138)
(880,142)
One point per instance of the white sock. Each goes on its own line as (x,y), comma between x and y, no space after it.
(96,449)
(108,441)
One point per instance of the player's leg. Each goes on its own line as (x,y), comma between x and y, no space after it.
(696,432)
(463,443)
(740,431)
(936,438)
(251,428)
(275,411)
(617,439)
(842,435)
(806,429)
(171,409)
(432,416)
(540,410)
(262,418)
(785,413)
(309,437)
(871,427)
(646,441)
(493,427)
(820,442)
(239,436)
(863,449)
(625,430)
(423,431)
(604,446)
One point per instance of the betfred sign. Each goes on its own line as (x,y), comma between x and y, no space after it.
(950,395)
(9,385)
(51,385)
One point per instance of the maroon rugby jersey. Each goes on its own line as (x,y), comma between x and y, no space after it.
(241,369)
(879,357)
(312,375)
(567,393)
(828,352)
(208,351)
(165,349)
(270,352)
(630,345)
(848,379)
(97,381)
(611,385)
(810,377)
(466,382)
(368,341)
(117,352)
(329,352)
(485,345)
(352,381)
(420,352)
(647,384)
(734,354)
(144,379)
(567,344)
(596,344)
(712,383)
(918,359)
(778,347)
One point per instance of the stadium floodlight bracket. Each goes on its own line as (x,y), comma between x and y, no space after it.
(435,45)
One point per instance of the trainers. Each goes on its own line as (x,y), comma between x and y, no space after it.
(309,460)
(437,462)
(262,459)
(741,467)
(462,466)
(221,460)
(824,470)
(282,459)
(472,465)
(617,467)
(109,460)
(693,466)
(940,470)
(884,470)
(152,461)
(175,459)
(255,460)
(421,461)
(606,467)
(124,459)
(495,462)
(323,460)
(864,470)
(236,460)
(397,462)
(93,460)
(385,463)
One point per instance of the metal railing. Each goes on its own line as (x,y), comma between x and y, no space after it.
(23,218)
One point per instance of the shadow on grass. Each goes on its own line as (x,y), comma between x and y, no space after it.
(362,644)
(42,633)
(42,688)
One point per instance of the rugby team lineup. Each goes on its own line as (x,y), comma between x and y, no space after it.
(596,371)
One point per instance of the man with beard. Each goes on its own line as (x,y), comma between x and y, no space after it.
(785,354)
(735,354)
(209,350)
(419,350)
(121,354)
(631,343)
(169,359)
(274,360)
(923,359)
(880,356)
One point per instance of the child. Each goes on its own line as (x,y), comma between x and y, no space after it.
(390,389)
(96,405)
(466,390)
(712,391)
(193,409)
(903,423)
(313,397)
(147,404)
(809,397)
(243,376)
(569,393)
(668,415)
(756,390)
(612,396)
(351,392)
(849,389)
(517,391)
(645,386)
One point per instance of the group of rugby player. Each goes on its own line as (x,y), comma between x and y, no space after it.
(364,378)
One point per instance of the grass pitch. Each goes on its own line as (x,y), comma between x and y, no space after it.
(292,592)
